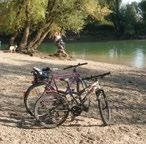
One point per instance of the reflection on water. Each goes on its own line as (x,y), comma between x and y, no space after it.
(138,58)
(130,53)
(83,54)
(114,53)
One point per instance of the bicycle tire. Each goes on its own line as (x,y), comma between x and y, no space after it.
(103,110)
(49,107)
(29,99)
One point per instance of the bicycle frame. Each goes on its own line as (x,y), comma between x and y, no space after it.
(56,78)
(61,103)
(73,77)
(91,88)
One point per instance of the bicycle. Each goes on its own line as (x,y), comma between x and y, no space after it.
(40,77)
(53,110)
(45,81)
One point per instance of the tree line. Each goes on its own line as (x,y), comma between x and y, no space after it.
(29,22)
(124,21)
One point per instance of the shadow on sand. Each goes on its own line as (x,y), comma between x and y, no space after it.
(125,91)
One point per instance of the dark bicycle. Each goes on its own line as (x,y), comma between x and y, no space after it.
(47,80)
(52,109)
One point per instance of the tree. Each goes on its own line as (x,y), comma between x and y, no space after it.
(125,18)
(130,19)
(18,14)
(143,10)
(142,6)
(35,19)
(115,15)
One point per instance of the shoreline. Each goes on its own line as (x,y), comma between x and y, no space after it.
(125,89)
(46,56)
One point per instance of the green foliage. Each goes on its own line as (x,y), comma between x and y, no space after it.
(64,14)
(115,16)
(130,18)
(126,19)
(17,12)
(37,10)
(143,10)
(72,14)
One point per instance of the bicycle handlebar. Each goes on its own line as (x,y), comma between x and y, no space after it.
(48,69)
(96,76)
(74,66)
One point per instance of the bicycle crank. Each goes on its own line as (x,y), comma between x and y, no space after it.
(76,110)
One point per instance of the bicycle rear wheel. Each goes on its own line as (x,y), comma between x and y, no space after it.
(31,96)
(103,107)
(51,110)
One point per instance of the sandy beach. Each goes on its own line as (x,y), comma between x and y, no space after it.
(125,89)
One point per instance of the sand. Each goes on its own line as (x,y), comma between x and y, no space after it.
(125,89)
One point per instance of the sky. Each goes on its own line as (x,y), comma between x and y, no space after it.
(129,1)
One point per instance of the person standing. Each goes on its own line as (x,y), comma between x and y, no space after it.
(60,45)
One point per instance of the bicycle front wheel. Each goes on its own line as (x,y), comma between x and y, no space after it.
(31,96)
(104,109)
(51,110)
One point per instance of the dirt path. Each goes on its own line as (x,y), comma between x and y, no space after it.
(126,90)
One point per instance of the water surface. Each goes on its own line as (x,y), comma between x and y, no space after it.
(131,53)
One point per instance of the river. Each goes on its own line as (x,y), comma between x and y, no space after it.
(127,52)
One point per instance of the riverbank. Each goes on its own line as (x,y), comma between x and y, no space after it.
(125,88)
